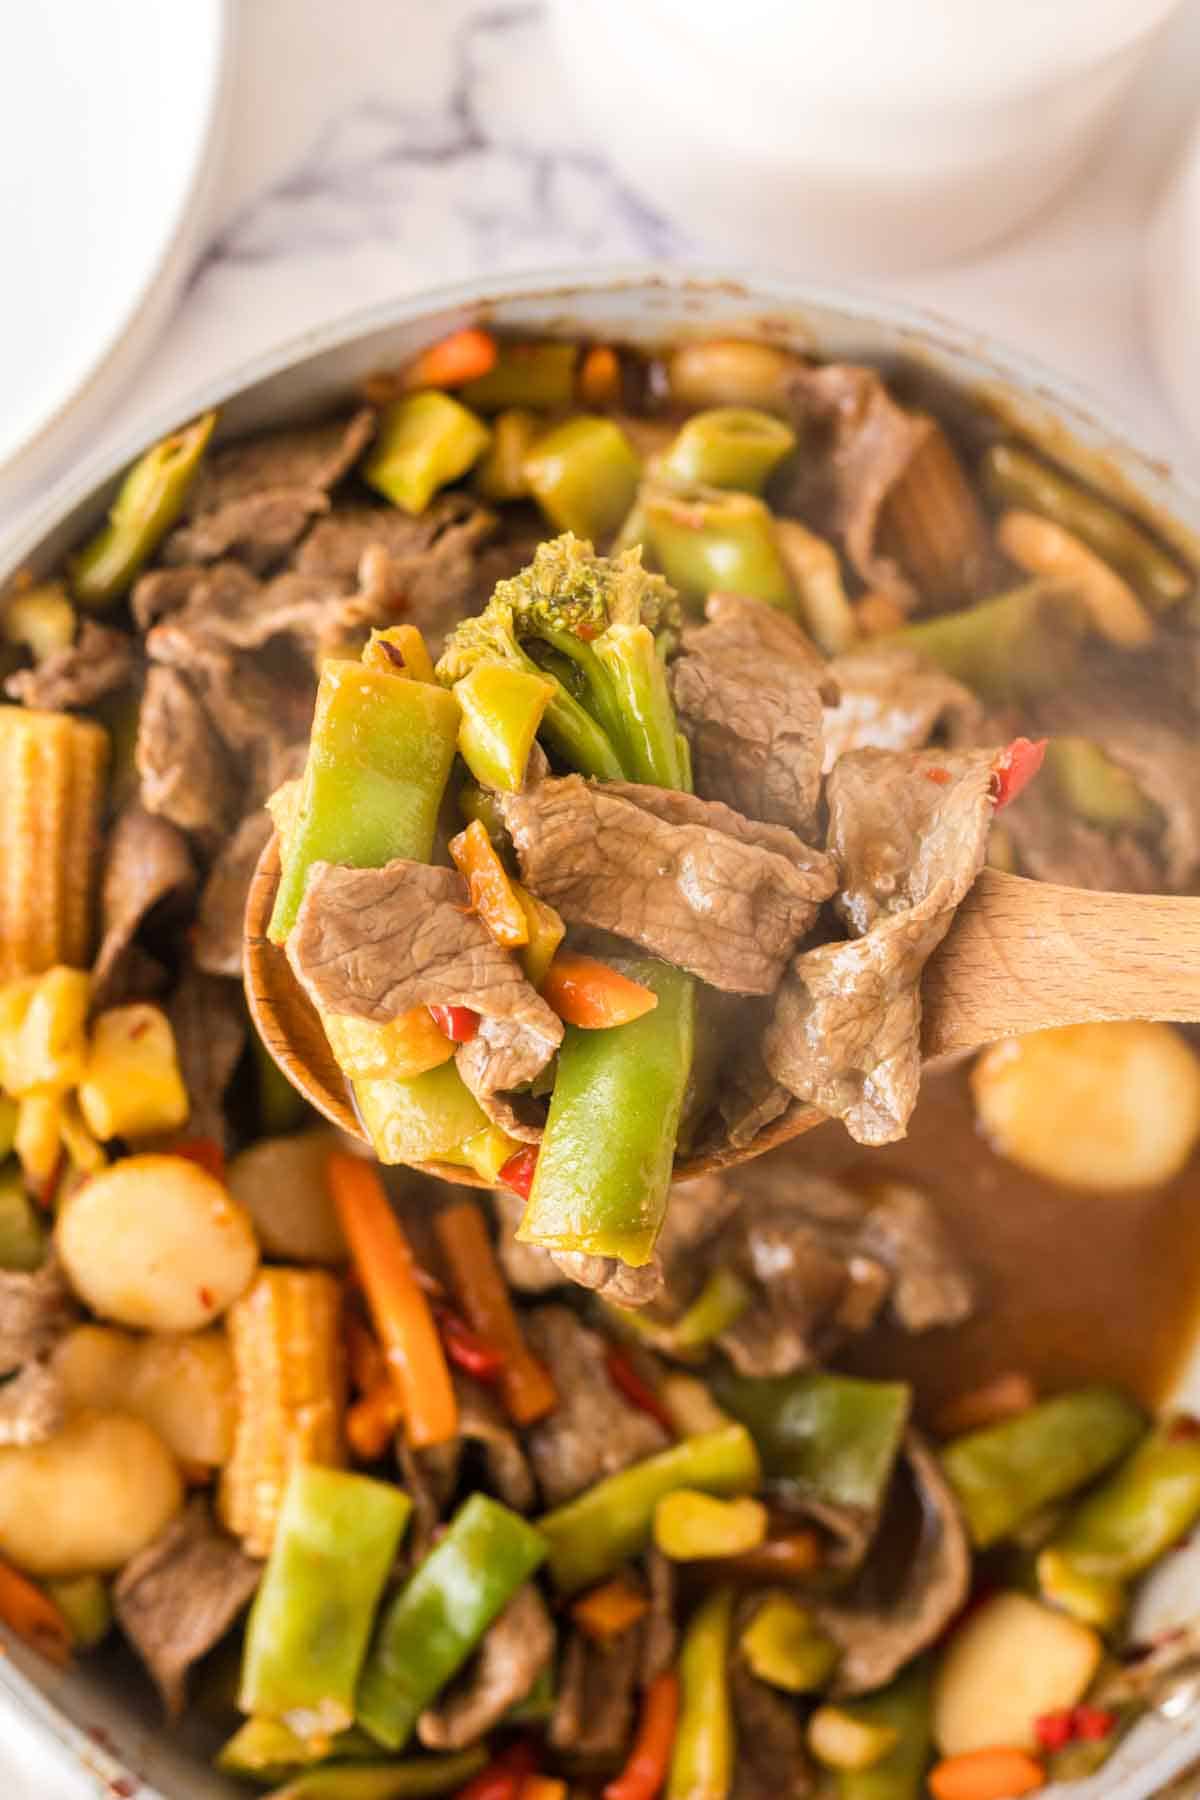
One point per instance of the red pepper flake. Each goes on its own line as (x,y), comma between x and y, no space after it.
(587,632)
(503,1776)
(123,1788)
(458,1023)
(139,1030)
(205,1296)
(942,777)
(393,652)
(206,1153)
(1054,1730)
(466,1350)
(1015,768)
(627,1381)
(518,1172)
(1092,1724)
(1183,1429)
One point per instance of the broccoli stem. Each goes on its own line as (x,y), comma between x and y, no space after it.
(638,681)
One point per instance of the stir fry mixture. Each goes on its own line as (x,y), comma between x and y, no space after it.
(631,727)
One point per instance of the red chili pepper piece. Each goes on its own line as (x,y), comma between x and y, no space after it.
(205,1152)
(468,1351)
(503,1775)
(939,777)
(517,1172)
(627,1381)
(458,1023)
(1092,1723)
(1183,1428)
(645,1774)
(1054,1730)
(1015,768)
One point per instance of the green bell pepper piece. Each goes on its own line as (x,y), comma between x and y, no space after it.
(785,1647)
(591,1536)
(22,1239)
(439,1617)
(584,474)
(148,502)
(541,376)
(425,441)
(1006,1473)
(41,619)
(475,802)
(308,1628)
(1096,788)
(379,758)
(419,1120)
(707,539)
(905,1706)
(606,1191)
(417,1776)
(502,708)
(702,1761)
(86,1604)
(834,1438)
(501,475)
(728,447)
(1013,477)
(266,1751)
(1015,646)
(719,1304)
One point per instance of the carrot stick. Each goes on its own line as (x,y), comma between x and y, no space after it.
(372,1419)
(482,1295)
(600,377)
(608,1610)
(645,1774)
(407,1333)
(34,1617)
(1003,1397)
(456,359)
(542,1787)
(584,991)
(986,1775)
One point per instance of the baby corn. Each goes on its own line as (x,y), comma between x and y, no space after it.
(52,771)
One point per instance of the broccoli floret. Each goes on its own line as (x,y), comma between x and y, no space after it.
(601,628)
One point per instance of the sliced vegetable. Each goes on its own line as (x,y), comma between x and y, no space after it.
(400,650)
(646,1771)
(599,381)
(264,1750)
(816,574)
(1015,767)
(1010,1661)
(40,618)
(417,1776)
(131,1085)
(43,1041)
(424,441)
(593,1535)
(546,932)
(502,709)
(986,1775)
(405,1325)
(903,1706)
(719,1305)
(1096,788)
(605,1612)
(583,474)
(593,995)
(689,1526)
(784,1646)
(500,475)
(840,1740)
(422,1119)
(1040,547)
(625,1378)
(439,1616)
(36,1619)
(461,356)
(489,887)
(281,1181)
(728,447)
(710,539)
(1014,646)
(832,1437)
(730,372)
(481,1291)
(1003,1397)
(702,1761)
(22,1239)
(148,502)
(541,376)
(85,1602)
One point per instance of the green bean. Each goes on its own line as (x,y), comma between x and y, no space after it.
(584,475)
(266,1751)
(418,1776)
(311,1619)
(424,441)
(148,502)
(1014,646)
(702,1762)
(1015,478)
(1006,1473)
(834,1438)
(709,539)
(541,376)
(501,476)
(1096,788)
(905,1706)
(728,447)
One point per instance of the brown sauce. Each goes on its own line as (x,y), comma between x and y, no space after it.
(1072,1286)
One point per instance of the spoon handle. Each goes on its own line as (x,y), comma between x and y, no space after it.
(1022,955)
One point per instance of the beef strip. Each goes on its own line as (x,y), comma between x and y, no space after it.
(911,1586)
(32,1407)
(1051,843)
(748,691)
(772,1762)
(659,1632)
(100,662)
(481,1421)
(687,879)
(429,1477)
(209,1022)
(35,1311)
(892,698)
(594,1431)
(147,865)
(217,939)
(909,833)
(609,1277)
(597,1687)
(178,1597)
(254,498)
(514,1652)
(527,1267)
(185,771)
(900,1228)
(375,943)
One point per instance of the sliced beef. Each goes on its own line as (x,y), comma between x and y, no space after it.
(184,768)
(147,865)
(911,1586)
(32,1406)
(527,1267)
(514,1652)
(35,1311)
(254,498)
(217,938)
(609,1277)
(748,691)
(900,1228)
(597,1690)
(772,1761)
(909,833)
(429,1477)
(1051,843)
(178,1597)
(100,662)
(687,879)
(659,1632)
(594,1431)
(374,943)
(209,1022)
(481,1422)
(892,698)
(218,588)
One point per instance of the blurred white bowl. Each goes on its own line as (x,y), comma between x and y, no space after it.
(1172,278)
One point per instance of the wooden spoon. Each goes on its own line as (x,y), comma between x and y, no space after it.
(1020,956)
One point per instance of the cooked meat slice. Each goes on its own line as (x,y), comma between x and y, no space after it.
(374,943)
(159,593)
(209,1022)
(480,1421)
(178,1597)
(594,1431)
(597,1686)
(100,662)
(147,864)
(259,528)
(31,1406)
(807,1295)
(912,1584)
(747,691)
(429,1478)
(608,1277)
(1053,844)
(515,1650)
(909,833)
(891,698)
(901,1229)
(527,1267)
(772,1762)
(184,769)
(217,938)
(660,1635)
(687,879)
(35,1311)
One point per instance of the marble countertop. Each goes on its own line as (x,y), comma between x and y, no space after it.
(377,147)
